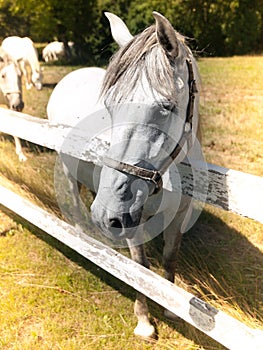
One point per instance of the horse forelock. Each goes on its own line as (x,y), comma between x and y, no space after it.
(143,55)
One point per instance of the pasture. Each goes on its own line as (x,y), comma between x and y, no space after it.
(51,298)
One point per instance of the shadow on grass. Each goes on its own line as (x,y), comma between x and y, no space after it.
(224,264)
(30,146)
(49,85)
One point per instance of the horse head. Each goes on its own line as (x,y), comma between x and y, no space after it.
(37,77)
(148,91)
(10,82)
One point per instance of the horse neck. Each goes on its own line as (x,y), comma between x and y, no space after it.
(33,61)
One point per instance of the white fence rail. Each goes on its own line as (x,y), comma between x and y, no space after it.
(231,190)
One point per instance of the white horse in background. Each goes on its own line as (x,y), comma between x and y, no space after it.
(11,90)
(24,52)
(55,51)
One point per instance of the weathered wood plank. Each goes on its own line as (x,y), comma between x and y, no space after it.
(41,132)
(219,326)
(232,190)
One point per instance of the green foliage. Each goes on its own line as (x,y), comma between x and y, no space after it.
(242,28)
(220,27)
(10,23)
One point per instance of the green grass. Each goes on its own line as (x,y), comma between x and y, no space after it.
(51,298)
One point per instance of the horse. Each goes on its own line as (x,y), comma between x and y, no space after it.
(23,51)
(11,90)
(55,50)
(149,98)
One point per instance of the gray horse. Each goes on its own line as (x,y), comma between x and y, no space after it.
(146,111)
(152,83)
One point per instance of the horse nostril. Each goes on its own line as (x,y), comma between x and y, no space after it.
(115,226)
(115,223)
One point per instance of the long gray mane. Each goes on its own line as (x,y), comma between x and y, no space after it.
(142,55)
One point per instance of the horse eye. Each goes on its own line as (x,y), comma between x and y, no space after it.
(3,75)
(167,105)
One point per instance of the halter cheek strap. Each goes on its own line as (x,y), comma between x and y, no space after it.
(155,176)
(7,92)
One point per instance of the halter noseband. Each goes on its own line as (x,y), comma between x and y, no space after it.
(155,176)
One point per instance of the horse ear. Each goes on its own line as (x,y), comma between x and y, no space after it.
(166,35)
(119,30)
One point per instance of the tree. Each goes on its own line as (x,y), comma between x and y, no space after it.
(242,27)
(219,27)
(10,23)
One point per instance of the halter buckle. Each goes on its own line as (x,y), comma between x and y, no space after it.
(156,178)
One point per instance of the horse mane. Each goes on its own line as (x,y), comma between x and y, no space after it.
(142,55)
(6,59)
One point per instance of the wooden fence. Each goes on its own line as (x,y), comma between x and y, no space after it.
(231,190)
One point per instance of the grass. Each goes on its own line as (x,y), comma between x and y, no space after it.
(232,113)
(52,298)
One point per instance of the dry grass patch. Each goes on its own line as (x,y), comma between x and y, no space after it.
(232,114)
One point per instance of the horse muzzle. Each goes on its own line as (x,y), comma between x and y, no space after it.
(15,101)
(18,107)
(116,226)
(118,206)
(38,86)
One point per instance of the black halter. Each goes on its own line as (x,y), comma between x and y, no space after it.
(155,176)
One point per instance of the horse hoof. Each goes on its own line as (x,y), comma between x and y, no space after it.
(22,158)
(145,330)
(29,86)
(170,315)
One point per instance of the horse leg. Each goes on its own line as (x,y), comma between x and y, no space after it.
(75,215)
(172,242)
(68,192)
(144,328)
(25,74)
(19,151)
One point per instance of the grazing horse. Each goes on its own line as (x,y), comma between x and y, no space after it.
(23,51)
(55,51)
(11,90)
(150,94)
